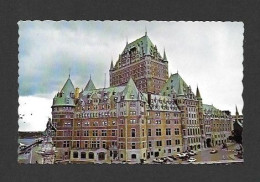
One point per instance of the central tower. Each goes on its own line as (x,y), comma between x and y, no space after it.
(141,61)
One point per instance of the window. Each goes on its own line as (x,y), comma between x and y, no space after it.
(86,144)
(133,145)
(158,132)
(158,122)
(133,132)
(113,133)
(149,132)
(159,143)
(168,142)
(168,121)
(177,131)
(95,133)
(83,155)
(168,131)
(150,144)
(66,144)
(91,155)
(122,133)
(104,132)
(104,144)
(142,132)
(177,142)
(85,133)
(75,154)
(78,144)
(133,156)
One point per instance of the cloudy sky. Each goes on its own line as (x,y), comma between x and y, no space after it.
(207,54)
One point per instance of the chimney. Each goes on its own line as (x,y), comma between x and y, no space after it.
(77,93)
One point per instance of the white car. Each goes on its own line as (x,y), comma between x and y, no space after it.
(156,160)
(181,155)
(169,159)
(192,153)
(191,159)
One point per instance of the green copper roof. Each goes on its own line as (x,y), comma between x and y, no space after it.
(144,43)
(65,96)
(131,92)
(176,84)
(90,86)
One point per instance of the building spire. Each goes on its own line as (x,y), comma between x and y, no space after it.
(111,65)
(145,31)
(89,76)
(164,55)
(126,40)
(69,72)
(237,111)
(198,93)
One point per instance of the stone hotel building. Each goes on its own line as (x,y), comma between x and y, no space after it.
(145,113)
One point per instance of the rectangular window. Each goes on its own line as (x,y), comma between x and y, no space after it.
(158,132)
(85,133)
(104,132)
(86,144)
(66,144)
(78,133)
(168,142)
(122,133)
(133,132)
(150,143)
(142,132)
(177,131)
(168,131)
(177,142)
(159,143)
(168,121)
(133,145)
(149,132)
(113,132)
(78,144)
(95,133)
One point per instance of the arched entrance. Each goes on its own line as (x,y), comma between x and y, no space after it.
(101,156)
(208,142)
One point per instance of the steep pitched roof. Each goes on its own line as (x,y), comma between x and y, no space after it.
(90,86)
(68,87)
(144,43)
(66,96)
(175,83)
(164,56)
(131,92)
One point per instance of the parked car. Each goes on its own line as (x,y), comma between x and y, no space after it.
(172,157)
(192,153)
(182,155)
(169,159)
(156,160)
(191,159)
(213,151)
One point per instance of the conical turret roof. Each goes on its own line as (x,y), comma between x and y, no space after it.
(90,85)
(66,96)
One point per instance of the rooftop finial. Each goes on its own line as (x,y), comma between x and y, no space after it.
(145,31)
(126,40)
(69,72)
(90,76)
